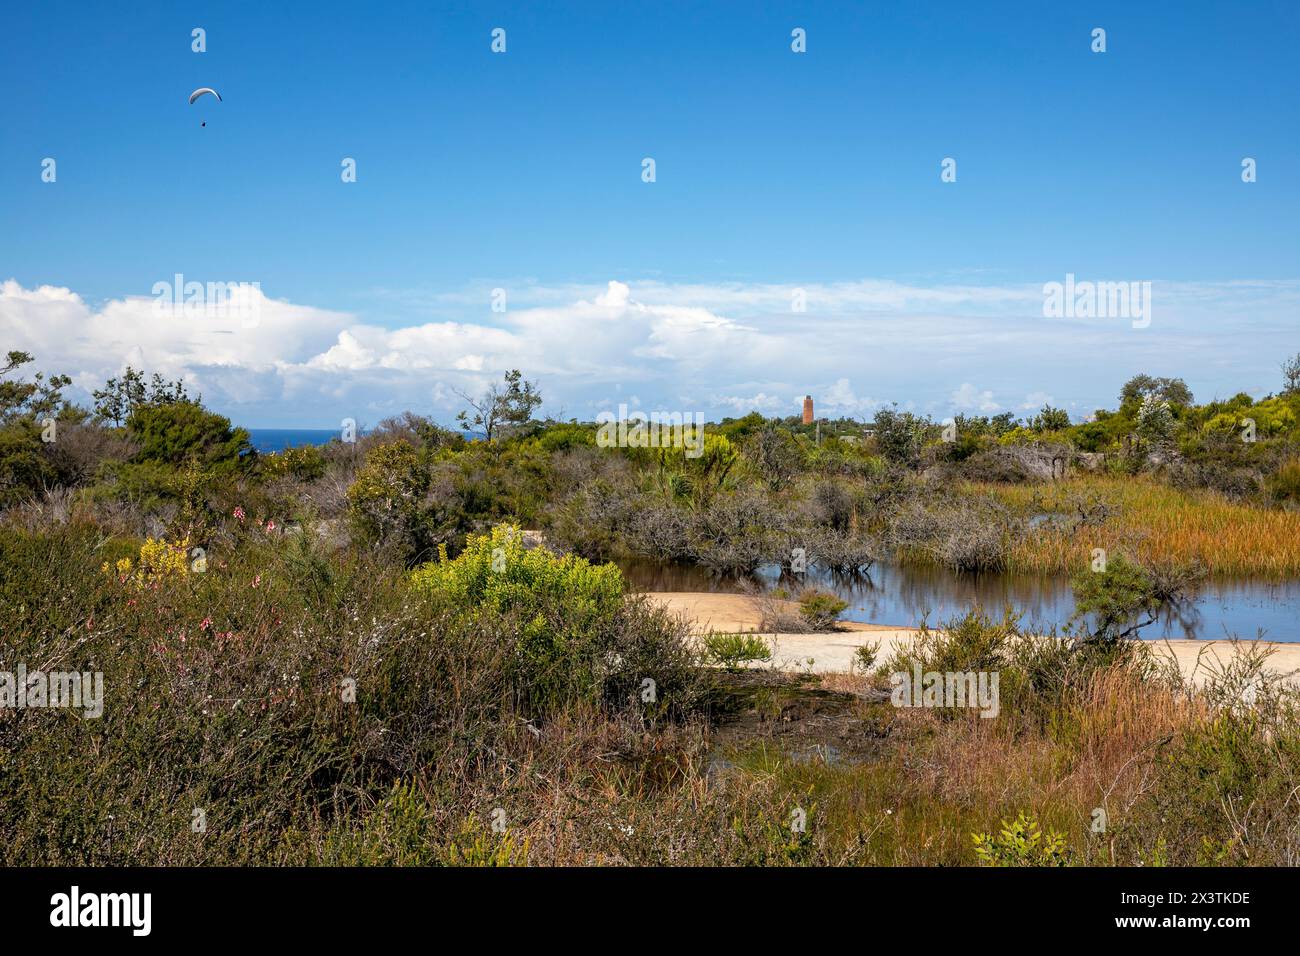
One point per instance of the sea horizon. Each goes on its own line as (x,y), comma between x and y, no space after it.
(268,440)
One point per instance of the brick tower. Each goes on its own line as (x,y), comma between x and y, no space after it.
(807,410)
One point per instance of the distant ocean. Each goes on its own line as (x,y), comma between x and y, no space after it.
(267,440)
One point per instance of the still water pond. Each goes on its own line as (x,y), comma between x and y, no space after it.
(901,595)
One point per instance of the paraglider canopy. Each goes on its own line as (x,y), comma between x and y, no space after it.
(200,91)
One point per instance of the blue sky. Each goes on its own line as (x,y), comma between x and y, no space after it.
(775,170)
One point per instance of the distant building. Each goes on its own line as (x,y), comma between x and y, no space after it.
(807,410)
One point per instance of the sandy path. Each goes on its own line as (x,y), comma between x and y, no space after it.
(834,652)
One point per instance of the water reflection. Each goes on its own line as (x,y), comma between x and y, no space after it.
(903,595)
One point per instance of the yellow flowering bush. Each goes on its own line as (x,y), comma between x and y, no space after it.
(563,609)
(160,560)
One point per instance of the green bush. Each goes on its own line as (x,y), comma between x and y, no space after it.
(291,693)
(24,470)
(305,463)
(973,641)
(977,641)
(221,692)
(732,650)
(820,609)
(178,432)
(865,656)
(387,503)
(1223,794)
(565,609)
(563,436)
(500,482)
(1284,484)
(1021,843)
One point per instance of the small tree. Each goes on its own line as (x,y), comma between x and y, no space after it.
(390,502)
(24,460)
(121,396)
(179,432)
(899,435)
(1126,596)
(28,400)
(1155,422)
(1051,420)
(1291,375)
(501,408)
(1139,387)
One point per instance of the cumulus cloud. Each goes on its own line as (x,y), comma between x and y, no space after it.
(759,402)
(734,347)
(841,401)
(1034,401)
(968,398)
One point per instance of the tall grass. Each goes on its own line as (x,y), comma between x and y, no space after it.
(1157,523)
(1172,775)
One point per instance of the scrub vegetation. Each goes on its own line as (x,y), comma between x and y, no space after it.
(410,649)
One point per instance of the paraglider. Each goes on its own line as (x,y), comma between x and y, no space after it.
(200,92)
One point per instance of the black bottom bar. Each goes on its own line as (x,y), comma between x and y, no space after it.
(532,905)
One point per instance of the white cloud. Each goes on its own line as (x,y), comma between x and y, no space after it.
(840,401)
(969,398)
(735,347)
(760,402)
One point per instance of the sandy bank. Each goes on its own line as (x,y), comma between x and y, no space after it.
(834,652)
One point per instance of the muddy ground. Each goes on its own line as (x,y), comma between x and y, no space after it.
(800,714)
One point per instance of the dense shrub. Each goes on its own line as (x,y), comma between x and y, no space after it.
(1234,483)
(565,437)
(179,432)
(1284,485)
(81,451)
(24,469)
(962,534)
(285,693)
(732,650)
(775,454)
(1223,794)
(733,534)
(820,609)
(404,506)
(998,464)
(846,552)
(569,616)
(591,520)
(305,463)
